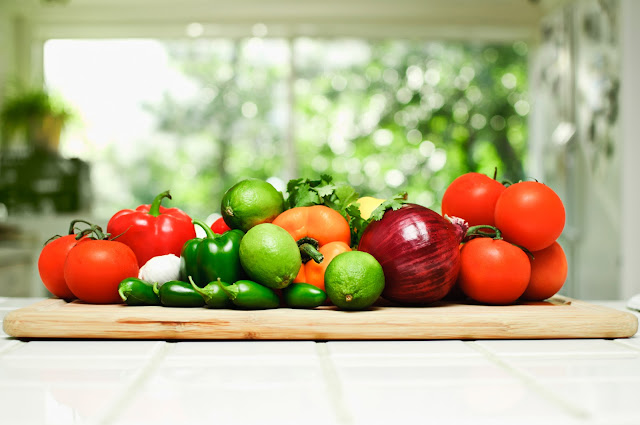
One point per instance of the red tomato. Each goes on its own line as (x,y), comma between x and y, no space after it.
(51,266)
(548,273)
(219,226)
(493,271)
(530,214)
(95,268)
(472,196)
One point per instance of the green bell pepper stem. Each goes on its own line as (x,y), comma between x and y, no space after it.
(212,257)
(210,233)
(154,209)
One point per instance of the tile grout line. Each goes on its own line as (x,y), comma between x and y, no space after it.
(333,385)
(116,408)
(531,381)
(625,344)
(11,346)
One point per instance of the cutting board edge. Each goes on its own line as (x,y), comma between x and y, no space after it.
(27,323)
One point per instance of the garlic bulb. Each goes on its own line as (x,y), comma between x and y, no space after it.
(161,269)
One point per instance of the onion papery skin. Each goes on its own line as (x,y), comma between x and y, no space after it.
(419,253)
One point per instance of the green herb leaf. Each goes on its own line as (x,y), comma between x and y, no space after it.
(393,203)
(305,197)
(325,190)
(293,184)
(340,197)
(343,196)
(346,195)
(356,223)
(306,192)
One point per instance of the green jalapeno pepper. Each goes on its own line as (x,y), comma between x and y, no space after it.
(134,291)
(212,257)
(251,295)
(213,295)
(178,294)
(303,295)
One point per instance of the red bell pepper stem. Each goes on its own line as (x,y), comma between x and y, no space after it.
(210,233)
(154,209)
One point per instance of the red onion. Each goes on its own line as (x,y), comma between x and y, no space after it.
(419,253)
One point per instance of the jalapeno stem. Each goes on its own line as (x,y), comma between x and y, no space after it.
(122,295)
(231,291)
(195,287)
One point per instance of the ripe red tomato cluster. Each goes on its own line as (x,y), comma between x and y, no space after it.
(87,268)
(91,264)
(522,258)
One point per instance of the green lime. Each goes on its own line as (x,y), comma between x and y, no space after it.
(270,255)
(251,202)
(354,280)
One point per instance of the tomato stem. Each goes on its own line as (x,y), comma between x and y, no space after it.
(478,231)
(96,230)
(526,251)
(72,226)
(494,233)
(52,238)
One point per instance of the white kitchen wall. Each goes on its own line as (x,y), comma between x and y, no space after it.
(630,175)
(580,145)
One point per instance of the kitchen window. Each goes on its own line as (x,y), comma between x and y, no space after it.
(196,115)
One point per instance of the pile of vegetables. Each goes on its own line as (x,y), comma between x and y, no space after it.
(493,244)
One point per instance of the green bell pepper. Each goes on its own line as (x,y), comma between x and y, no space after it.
(212,257)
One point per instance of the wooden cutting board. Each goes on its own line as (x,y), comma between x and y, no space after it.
(558,317)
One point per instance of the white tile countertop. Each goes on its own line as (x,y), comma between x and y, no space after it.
(115,382)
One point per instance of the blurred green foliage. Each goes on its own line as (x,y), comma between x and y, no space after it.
(384,116)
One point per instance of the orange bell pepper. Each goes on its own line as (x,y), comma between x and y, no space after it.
(322,233)
(312,272)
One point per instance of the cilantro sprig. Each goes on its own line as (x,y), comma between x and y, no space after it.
(341,197)
(358,223)
(306,192)
(394,203)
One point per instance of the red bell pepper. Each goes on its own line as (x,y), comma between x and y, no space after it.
(219,226)
(152,230)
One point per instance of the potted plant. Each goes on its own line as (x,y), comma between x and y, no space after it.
(36,116)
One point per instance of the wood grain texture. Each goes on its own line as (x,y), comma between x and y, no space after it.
(559,317)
